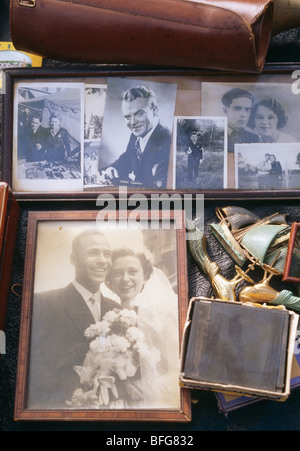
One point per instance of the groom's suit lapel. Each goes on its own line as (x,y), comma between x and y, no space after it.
(77,309)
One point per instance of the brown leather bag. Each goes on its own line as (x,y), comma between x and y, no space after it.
(212,34)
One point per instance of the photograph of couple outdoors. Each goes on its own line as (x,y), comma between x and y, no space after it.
(108,337)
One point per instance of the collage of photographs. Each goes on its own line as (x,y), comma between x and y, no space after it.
(86,136)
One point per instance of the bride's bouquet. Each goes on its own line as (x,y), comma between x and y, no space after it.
(113,356)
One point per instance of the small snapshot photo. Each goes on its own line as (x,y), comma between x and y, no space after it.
(95,97)
(200,152)
(256,113)
(137,129)
(267,166)
(48,136)
(105,324)
(91,163)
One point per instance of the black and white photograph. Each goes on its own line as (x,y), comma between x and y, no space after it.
(200,152)
(256,113)
(91,163)
(105,321)
(267,166)
(137,130)
(95,96)
(48,142)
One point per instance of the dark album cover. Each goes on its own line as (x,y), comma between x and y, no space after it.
(238,345)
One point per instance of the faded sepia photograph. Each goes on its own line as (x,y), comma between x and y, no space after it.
(105,330)
(48,136)
(200,152)
(137,130)
(256,113)
(267,166)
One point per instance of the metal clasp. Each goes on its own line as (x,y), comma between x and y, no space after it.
(28,3)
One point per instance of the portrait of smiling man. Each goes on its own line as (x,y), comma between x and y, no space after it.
(60,318)
(145,160)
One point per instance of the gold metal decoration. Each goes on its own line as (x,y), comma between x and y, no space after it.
(27,3)
(245,236)
(262,291)
(257,241)
(224,289)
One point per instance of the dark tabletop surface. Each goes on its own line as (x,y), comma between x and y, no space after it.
(261,416)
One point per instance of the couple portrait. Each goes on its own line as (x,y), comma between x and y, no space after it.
(51,144)
(105,330)
(49,124)
(267,166)
(260,114)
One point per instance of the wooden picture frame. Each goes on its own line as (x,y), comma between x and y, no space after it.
(35,399)
(289,273)
(223,173)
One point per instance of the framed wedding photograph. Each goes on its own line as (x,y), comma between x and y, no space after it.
(103,311)
(131,127)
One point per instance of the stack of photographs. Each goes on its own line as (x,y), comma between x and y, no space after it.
(156,133)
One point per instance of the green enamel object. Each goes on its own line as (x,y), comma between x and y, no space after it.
(258,240)
(226,239)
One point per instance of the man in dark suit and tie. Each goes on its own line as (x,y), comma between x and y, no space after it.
(146,159)
(60,318)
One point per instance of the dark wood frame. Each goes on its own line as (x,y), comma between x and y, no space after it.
(286,277)
(23,413)
(13,76)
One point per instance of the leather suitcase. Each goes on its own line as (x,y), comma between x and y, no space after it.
(9,217)
(211,34)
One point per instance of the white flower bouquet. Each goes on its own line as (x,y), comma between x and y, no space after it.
(113,356)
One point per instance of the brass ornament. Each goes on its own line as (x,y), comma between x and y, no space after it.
(269,237)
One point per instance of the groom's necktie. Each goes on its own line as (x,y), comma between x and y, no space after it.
(94,307)
(138,149)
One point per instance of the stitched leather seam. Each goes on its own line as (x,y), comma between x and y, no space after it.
(251,38)
(260,11)
(129,13)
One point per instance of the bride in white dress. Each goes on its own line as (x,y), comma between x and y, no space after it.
(147,290)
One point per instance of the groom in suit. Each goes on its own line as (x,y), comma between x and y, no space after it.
(146,159)
(60,318)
